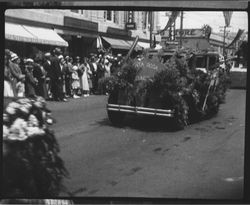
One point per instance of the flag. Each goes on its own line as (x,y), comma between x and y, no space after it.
(99,43)
(227,16)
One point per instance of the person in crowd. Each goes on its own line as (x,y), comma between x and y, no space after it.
(68,73)
(18,77)
(100,74)
(94,79)
(79,71)
(75,82)
(62,64)
(119,59)
(84,78)
(89,76)
(30,81)
(40,74)
(8,83)
(107,65)
(47,68)
(57,77)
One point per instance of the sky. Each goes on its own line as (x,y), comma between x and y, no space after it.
(196,19)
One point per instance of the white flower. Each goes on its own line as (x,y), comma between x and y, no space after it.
(5,131)
(21,136)
(24,109)
(38,104)
(17,130)
(24,101)
(5,117)
(33,121)
(41,99)
(19,124)
(14,105)
(11,110)
(31,131)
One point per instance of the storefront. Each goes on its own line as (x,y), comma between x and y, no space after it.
(81,36)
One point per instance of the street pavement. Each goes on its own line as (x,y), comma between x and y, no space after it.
(147,159)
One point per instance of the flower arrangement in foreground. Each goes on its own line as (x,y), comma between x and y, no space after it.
(31,165)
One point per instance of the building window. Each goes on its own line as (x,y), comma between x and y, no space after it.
(116,17)
(74,10)
(112,16)
(109,15)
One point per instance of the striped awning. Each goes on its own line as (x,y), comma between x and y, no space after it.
(117,43)
(29,34)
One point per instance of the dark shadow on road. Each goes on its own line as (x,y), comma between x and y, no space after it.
(144,123)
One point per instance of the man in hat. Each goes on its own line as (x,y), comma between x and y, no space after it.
(19,78)
(8,78)
(30,81)
(68,73)
(63,65)
(56,76)
(94,78)
(47,68)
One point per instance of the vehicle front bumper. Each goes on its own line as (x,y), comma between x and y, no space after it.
(140,110)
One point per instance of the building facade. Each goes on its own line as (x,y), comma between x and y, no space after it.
(86,30)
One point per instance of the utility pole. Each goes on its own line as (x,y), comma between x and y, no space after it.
(151,27)
(181,29)
(224,40)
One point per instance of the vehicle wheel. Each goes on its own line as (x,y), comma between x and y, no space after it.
(116,118)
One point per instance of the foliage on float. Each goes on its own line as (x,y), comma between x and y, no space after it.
(31,164)
(175,87)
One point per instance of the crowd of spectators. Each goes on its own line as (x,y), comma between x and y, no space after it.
(56,77)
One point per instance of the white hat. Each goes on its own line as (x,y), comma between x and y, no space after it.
(29,60)
(60,56)
(47,54)
(13,56)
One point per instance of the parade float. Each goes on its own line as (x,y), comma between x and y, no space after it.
(31,163)
(174,88)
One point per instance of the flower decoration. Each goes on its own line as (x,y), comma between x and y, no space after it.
(30,147)
(25,118)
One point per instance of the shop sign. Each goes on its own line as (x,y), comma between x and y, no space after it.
(80,24)
(130,26)
(187,33)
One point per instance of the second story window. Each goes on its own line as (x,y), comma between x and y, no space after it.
(74,10)
(111,16)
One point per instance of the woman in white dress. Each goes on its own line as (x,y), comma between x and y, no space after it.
(75,81)
(85,84)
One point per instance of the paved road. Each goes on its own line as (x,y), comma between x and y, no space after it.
(145,158)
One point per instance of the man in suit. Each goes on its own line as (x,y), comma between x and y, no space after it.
(57,77)
(47,68)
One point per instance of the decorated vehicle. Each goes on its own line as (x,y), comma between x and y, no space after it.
(185,88)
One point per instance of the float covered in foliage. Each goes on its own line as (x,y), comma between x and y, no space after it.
(192,94)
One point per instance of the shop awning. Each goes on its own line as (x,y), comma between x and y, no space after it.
(144,45)
(117,43)
(31,34)
(17,32)
(137,47)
